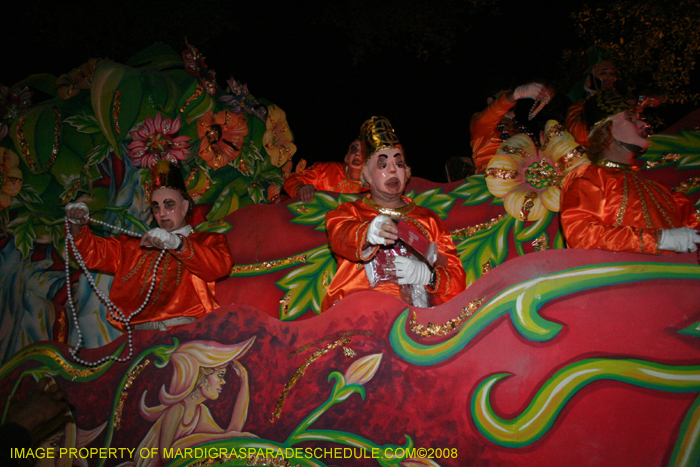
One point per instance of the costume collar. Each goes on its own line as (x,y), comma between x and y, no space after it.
(391,212)
(615,165)
(184,231)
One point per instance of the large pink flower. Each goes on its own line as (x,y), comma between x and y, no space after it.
(157,139)
(10,177)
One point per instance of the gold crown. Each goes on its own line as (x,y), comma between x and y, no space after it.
(377,134)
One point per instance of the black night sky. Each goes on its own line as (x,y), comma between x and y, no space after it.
(290,54)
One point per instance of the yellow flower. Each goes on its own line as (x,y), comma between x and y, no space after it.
(278,137)
(363,369)
(10,177)
(529,179)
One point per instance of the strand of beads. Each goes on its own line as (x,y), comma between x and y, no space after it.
(521,129)
(114,310)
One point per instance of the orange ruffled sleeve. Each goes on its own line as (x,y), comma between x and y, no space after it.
(485,137)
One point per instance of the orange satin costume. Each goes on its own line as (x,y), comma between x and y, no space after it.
(614,208)
(186,288)
(324,176)
(575,123)
(347,232)
(485,135)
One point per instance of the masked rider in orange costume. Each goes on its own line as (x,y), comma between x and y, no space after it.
(338,177)
(358,230)
(184,288)
(607,204)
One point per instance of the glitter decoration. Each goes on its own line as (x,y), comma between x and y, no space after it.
(332,337)
(666,158)
(514,151)
(540,244)
(687,185)
(207,183)
(503,174)
(285,302)
(486,267)
(443,329)
(302,209)
(116,111)
(24,147)
(56,357)
(197,92)
(468,232)
(528,203)
(125,393)
(267,266)
(324,279)
(270,462)
(301,371)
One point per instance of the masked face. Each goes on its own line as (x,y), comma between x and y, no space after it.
(630,131)
(169,208)
(386,173)
(354,156)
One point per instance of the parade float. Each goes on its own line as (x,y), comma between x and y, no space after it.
(549,357)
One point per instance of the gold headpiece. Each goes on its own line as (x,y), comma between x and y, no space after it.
(377,134)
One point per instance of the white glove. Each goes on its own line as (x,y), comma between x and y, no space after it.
(375,227)
(682,239)
(74,213)
(412,271)
(528,91)
(170,241)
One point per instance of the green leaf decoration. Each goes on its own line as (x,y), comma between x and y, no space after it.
(105,82)
(219,226)
(39,121)
(98,154)
(687,144)
(25,235)
(314,213)
(474,191)
(529,233)
(84,124)
(487,246)
(435,200)
(44,82)
(304,286)
(256,192)
(225,204)
(29,195)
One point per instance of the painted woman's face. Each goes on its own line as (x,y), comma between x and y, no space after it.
(213,385)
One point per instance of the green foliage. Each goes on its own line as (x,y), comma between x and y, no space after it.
(435,200)
(314,213)
(306,283)
(475,191)
(687,144)
(656,43)
(487,246)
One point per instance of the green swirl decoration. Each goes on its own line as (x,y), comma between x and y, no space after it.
(524,300)
(541,413)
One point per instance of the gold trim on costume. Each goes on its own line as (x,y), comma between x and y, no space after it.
(625,199)
(615,165)
(391,212)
